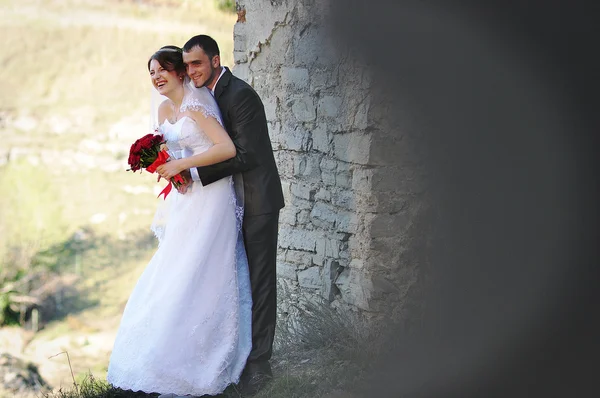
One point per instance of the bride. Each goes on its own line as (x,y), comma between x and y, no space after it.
(186,329)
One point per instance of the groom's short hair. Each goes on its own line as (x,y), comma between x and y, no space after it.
(206,43)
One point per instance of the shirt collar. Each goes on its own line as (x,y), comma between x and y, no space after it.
(212,90)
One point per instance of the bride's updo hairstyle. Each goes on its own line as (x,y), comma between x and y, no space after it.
(170,58)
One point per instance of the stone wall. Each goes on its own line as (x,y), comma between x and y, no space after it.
(353,193)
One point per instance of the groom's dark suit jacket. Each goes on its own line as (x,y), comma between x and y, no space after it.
(245,121)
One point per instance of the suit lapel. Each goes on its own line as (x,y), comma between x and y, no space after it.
(222,83)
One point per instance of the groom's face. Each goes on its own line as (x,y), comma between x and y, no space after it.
(201,69)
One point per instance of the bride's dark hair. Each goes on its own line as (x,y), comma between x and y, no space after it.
(170,58)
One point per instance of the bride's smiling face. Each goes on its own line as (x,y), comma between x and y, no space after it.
(163,80)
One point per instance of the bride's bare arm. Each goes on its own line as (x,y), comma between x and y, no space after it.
(222,149)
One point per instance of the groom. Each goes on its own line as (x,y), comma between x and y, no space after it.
(245,121)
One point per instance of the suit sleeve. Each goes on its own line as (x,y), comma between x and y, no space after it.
(247,122)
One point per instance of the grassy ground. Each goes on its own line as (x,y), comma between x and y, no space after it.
(325,357)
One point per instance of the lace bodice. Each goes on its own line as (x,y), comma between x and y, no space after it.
(184,137)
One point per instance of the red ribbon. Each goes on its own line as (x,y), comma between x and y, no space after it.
(161,159)
(168,188)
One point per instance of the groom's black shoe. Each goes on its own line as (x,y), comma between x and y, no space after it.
(255,377)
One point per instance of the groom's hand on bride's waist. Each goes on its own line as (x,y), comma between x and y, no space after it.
(188,181)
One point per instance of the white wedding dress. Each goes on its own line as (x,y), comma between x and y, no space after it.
(186,328)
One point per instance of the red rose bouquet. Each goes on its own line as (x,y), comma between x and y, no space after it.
(148,153)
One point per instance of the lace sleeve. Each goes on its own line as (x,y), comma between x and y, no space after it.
(201,100)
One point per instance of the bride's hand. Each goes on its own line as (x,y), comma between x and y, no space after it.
(169,169)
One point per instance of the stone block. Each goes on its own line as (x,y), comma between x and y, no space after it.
(343,198)
(285,163)
(285,187)
(361,115)
(321,139)
(328,248)
(240,40)
(362,179)
(294,78)
(288,271)
(240,30)
(323,78)
(242,71)
(240,57)
(331,270)
(328,178)
(323,195)
(307,165)
(274,131)
(328,164)
(303,108)
(352,147)
(281,254)
(288,216)
(346,221)
(303,217)
(320,247)
(329,106)
(298,239)
(318,260)
(294,138)
(332,248)
(303,191)
(263,83)
(343,179)
(323,215)
(299,257)
(299,203)
(270,105)
(280,42)
(355,288)
(310,278)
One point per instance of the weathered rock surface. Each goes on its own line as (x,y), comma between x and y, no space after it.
(352,177)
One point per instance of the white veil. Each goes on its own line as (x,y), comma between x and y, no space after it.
(155,100)
(195,99)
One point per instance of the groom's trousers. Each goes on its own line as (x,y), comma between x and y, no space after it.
(260,239)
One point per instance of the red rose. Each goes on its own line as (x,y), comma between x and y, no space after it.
(147,141)
(158,139)
(137,146)
(134,162)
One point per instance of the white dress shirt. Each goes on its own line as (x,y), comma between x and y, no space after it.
(193,170)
